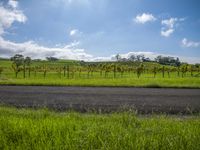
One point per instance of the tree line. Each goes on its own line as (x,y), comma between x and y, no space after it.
(163,60)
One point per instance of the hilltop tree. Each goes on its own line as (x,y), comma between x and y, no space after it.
(168,60)
(118,57)
(52,59)
(27,61)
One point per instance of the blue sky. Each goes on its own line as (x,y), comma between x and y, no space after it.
(99,29)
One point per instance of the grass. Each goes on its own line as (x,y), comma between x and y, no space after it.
(44,129)
(127,80)
(120,82)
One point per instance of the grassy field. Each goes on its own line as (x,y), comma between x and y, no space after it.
(43,129)
(129,79)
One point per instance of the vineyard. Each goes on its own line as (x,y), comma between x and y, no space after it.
(98,73)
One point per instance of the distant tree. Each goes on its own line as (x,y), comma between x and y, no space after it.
(27,61)
(118,57)
(18,60)
(177,62)
(123,60)
(147,60)
(82,63)
(132,58)
(139,58)
(168,60)
(52,59)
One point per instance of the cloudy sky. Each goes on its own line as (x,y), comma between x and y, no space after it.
(99,29)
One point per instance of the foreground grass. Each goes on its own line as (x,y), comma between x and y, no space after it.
(42,129)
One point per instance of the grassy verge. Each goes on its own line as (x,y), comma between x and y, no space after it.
(123,82)
(42,129)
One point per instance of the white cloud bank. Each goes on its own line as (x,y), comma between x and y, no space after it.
(186,43)
(32,49)
(144,18)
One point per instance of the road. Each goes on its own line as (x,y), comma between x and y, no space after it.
(106,99)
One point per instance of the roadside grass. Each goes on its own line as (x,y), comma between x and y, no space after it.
(44,129)
(186,82)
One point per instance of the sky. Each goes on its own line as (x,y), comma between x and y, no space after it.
(95,30)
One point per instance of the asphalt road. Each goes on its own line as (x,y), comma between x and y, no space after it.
(106,99)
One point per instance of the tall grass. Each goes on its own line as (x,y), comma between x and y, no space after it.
(126,82)
(43,129)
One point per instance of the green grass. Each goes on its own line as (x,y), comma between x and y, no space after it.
(124,82)
(43,129)
(127,80)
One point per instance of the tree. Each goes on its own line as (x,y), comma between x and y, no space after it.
(154,71)
(140,58)
(18,60)
(168,60)
(132,58)
(52,59)
(139,70)
(118,57)
(27,62)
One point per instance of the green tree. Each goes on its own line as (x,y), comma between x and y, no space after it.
(18,60)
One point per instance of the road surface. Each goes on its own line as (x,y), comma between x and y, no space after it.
(106,99)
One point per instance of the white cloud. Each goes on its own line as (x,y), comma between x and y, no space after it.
(8,16)
(169,26)
(144,18)
(186,43)
(167,33)
(169,22)
(32,49)
(73,32)
(13,3)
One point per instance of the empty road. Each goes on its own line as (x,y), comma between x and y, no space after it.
(107,99)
